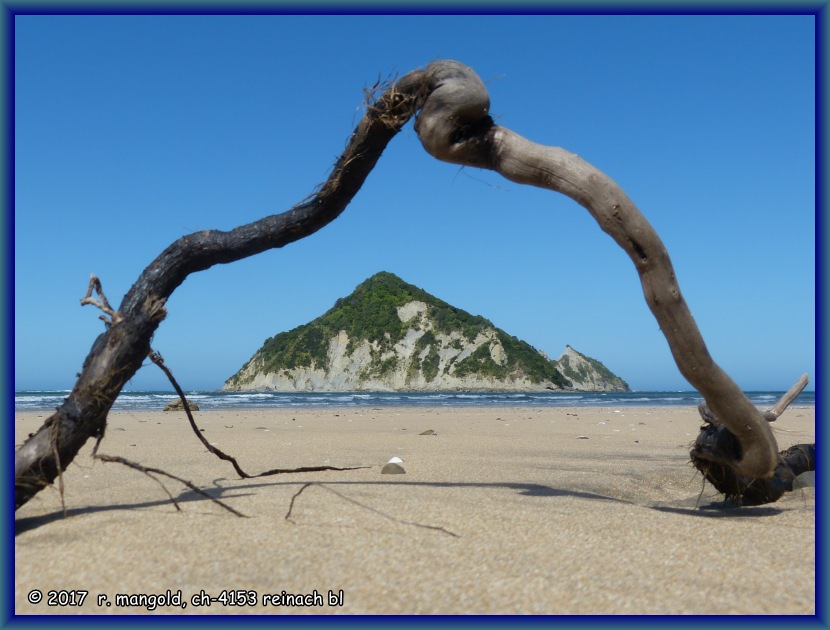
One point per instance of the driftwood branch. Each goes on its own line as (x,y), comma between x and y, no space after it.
(118,353)
(453,125)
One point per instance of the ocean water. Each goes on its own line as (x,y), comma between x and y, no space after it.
(213,400)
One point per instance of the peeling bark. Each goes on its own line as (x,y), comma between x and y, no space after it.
(454,126)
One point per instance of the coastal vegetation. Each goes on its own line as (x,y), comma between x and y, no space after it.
(520,359)
(369,312)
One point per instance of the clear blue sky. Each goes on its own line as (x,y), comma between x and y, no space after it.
(131,131)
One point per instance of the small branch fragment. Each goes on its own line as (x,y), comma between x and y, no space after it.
(707,415)
(787,399)
(294,498)
(103,304)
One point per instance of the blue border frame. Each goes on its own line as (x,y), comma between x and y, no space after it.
(8,11)
(822,49)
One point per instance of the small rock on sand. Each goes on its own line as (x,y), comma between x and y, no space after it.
(392,469)
(177,405)
(428,432)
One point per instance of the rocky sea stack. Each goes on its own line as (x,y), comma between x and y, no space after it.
(389,335)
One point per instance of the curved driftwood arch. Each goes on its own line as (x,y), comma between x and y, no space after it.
(454,125)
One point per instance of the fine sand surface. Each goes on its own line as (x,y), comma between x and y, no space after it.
(502,511)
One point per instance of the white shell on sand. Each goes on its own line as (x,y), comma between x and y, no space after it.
(396,460)
(392,469)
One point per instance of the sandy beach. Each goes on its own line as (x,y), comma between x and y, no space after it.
(500,511)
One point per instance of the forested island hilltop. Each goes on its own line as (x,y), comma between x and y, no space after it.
(389,335)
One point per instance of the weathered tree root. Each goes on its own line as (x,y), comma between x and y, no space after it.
(717,444)
(716,449)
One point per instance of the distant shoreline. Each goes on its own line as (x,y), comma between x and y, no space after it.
(155,400)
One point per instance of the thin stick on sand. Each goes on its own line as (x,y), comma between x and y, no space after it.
(156,358)
(150,472)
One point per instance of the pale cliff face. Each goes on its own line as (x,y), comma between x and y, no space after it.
(585,374)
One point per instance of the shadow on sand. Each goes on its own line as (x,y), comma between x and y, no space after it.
(687,507)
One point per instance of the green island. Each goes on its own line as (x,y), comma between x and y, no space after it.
(445,342)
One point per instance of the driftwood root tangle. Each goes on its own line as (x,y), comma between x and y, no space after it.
(716,444)
(716,449)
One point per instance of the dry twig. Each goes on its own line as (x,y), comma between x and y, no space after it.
(156,358)
(111,316)
(157,471)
